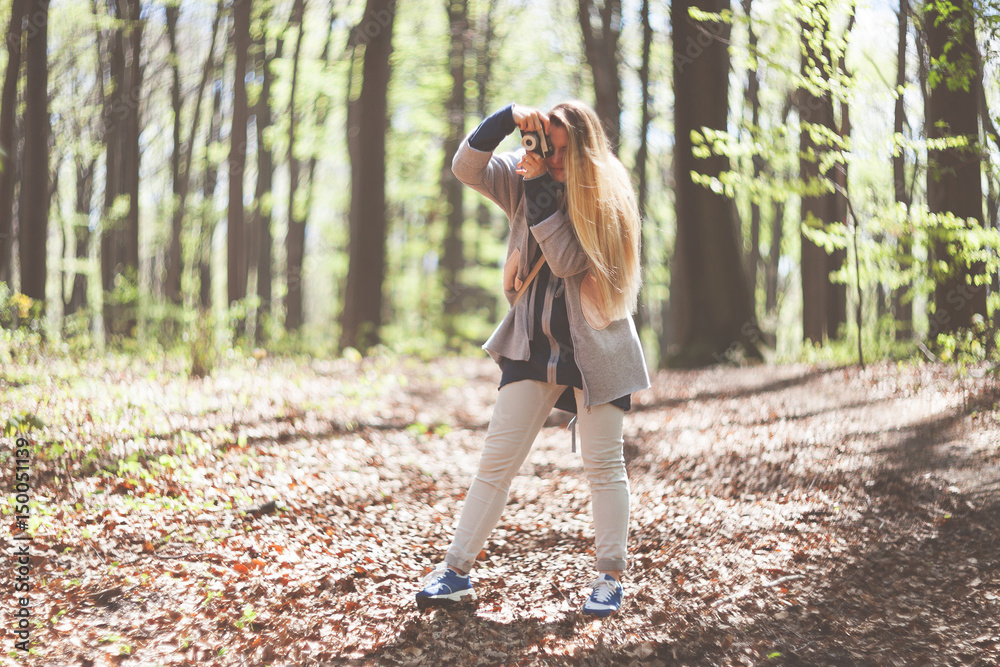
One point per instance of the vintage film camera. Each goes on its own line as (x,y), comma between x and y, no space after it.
(537,142)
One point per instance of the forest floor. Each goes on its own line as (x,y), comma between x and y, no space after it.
(281,513)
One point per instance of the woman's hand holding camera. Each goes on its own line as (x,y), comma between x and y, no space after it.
(529,119)
(531,165)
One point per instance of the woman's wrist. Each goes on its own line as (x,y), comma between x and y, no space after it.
(541,198)
(493,130)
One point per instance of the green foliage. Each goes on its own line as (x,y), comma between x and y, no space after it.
(957,72)
(885,263)
(970,347)
(531,67)
(22,424)
(18,309)
(894,242)
(202,348)
(249,614)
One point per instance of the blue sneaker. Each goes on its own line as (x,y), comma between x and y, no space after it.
(444,587)
(606,597)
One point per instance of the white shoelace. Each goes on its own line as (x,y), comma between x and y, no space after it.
(604,589)
(436,574)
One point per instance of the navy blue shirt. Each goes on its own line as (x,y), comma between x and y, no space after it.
(550,345)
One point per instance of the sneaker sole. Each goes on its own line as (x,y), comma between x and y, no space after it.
(600,613)
(447,600)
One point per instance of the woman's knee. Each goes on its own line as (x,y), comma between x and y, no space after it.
(498,474)
(608,471)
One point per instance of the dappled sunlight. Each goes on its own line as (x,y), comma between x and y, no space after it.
(823,515)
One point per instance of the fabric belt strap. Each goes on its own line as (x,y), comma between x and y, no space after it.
(527,283)
(521,292)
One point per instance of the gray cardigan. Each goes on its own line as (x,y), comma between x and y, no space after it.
(608,353)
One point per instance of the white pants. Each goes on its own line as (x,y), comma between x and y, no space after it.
(519,414)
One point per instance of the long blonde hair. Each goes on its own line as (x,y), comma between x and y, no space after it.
(602,208)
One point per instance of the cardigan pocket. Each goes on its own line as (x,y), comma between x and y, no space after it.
(590,304)
(511,283)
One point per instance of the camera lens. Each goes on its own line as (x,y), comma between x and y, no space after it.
(530,141)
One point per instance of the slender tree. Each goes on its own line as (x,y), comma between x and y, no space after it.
(301,204)
(367,123)
(711,310)
(774,257)
(263,239)
(486,46)
(836,299)
(81,231)
(642,154)
(181,157)
(206,225)
(172,282)
(451,188)
(990,135)
(236,232)
(600,43)
(752,101)
(120,234)
(954,174)
(902,306)
(777,224)
(85,166)
(296,237)
(209,186)
(8,149)
(823,304)
(35,193)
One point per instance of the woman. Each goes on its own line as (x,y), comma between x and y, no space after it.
(573,255)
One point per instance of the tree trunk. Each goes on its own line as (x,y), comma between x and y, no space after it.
(774,258)
(322,110)
(642,155)
(265,176)
(81,233)
(206,224)
(777,229)
(836,314)
(954,175)
(371,40)
(86,167)
(172,282)
(902,304)
(487,45)
(34,209)
(451,188)
(296,236)
(120,237)
(237,232)
(8,149)
(134,74)
(208,195)
(753,101)
(710,302)
(181,158)
(992,220)
(819,298)
(601,48)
